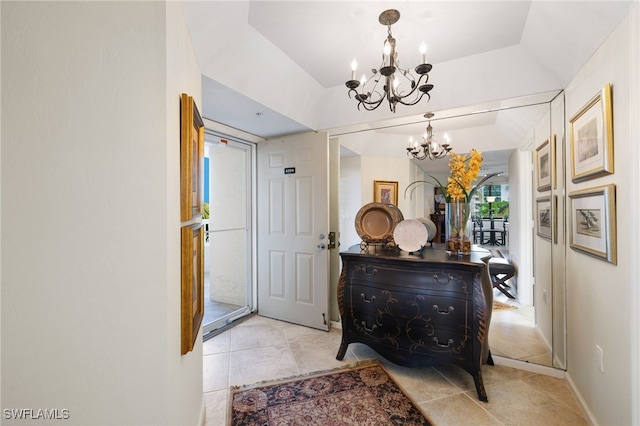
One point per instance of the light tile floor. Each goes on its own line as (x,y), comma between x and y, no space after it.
(512,334)
(260,349)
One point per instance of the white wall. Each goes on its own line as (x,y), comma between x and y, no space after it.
(600,295)
(90,168)
(520,223)
(184,399)
(389,169)
(350,200)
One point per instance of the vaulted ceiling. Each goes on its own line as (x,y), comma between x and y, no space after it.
(272,68)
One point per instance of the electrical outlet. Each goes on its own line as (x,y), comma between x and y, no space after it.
(544,296)
(600,358)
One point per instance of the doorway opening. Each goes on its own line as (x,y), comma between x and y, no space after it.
(229,222)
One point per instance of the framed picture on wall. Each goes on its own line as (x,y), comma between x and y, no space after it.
(385,192)
(544,166)
(192,284)
(544,219)
(191,159)
(591,136)
(593,222)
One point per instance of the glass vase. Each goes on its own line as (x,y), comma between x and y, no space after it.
(458,227)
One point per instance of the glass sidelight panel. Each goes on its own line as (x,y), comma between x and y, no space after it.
(228,248)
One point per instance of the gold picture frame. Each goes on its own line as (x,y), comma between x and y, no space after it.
(591,135)
(192,284)
(593,222)
(191,159)
(544,217)
(544,166)
(385,191)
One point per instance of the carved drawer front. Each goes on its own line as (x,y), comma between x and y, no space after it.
(421,278)
(448,312)
(377,300)
(439,341)
(373,311)
(382,327)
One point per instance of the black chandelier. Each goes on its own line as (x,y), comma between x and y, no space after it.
(429,148)
(369,96)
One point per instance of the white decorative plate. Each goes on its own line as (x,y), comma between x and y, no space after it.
(410,235)
(431,227)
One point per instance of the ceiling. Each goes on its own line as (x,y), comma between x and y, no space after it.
(273,68)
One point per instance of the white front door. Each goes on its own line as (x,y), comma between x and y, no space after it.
(293,227)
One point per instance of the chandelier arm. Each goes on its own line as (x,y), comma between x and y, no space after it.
(369,99)
(416,155)
(373,90)
(416,86)
(409,103)
(400,100)
(370,106)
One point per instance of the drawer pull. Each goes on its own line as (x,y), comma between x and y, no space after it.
(449,343)
(370,270)
(447,312)
(373,298)
(364,325)
(366,269)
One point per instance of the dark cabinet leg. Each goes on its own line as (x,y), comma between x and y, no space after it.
(490,359)
(482,395)
(342,351)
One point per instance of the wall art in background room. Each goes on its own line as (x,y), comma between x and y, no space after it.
(191,159)
(385,192)
(544,167)
(192,294)
(591,133)
(544,217)
(593,222)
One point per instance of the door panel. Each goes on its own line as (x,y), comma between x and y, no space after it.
(292,254)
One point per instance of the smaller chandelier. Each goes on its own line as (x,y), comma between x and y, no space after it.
(429,148)
(370,96)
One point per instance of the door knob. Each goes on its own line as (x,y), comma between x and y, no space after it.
(321,246)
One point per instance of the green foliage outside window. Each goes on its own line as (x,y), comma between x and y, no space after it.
(500,209)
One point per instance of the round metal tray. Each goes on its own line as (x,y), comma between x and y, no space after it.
(375,222)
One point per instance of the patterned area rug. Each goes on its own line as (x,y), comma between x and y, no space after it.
(363,395)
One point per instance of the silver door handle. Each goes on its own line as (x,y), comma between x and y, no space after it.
(321,247)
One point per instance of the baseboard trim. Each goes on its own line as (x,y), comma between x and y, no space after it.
(203,412)
(528,366)
(581,402)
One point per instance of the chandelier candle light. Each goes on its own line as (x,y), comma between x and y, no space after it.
(369,96)
(429,148)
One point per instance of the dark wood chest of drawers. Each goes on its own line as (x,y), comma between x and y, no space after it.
(417,310)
